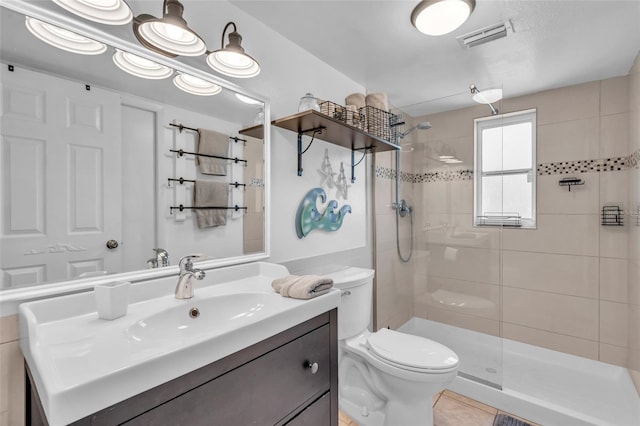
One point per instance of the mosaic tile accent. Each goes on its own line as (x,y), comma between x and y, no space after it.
(559,168)
(584,166)
(634,160)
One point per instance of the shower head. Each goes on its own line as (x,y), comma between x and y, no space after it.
(420,126)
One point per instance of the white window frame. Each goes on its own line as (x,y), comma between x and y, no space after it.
(502,120)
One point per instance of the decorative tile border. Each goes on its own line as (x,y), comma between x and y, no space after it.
(559,168)
(584,166)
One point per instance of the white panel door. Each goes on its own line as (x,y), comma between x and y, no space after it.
(61,179)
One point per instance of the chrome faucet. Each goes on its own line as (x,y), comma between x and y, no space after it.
(184,289)
(161,259)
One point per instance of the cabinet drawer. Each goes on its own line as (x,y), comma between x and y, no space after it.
(256,393)
(317,414)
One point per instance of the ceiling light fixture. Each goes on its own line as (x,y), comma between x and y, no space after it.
(438,17)
(196,85)
(169,35)
(487,97)
(64,39)
(110,12)
(232,60)
(139,66)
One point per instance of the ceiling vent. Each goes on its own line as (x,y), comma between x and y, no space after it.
(486,34)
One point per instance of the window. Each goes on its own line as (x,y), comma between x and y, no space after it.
(505,174)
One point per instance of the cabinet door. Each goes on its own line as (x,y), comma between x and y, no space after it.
(317,414)
(261,392)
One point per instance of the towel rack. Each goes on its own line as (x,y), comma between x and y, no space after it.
(182,180)
(183,208)
(181,152)
(182,127)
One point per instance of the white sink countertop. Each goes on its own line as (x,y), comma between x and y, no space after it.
(82,364)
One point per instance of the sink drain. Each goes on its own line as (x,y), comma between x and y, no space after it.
(194,312)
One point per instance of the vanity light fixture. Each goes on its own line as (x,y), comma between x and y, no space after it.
(232,60)
(438,17)
(110,12)
(195,85)
(64,39)
(139,66)
(170,35)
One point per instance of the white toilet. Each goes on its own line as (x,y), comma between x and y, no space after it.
(387,377)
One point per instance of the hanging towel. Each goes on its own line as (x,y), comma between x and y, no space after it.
(212,143)
(208,193)
(302,287)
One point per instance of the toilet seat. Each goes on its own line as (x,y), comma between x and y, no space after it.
(412,353)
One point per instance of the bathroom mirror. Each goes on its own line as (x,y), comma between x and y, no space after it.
(93,179)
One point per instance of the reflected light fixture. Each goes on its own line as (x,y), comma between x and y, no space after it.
(170,35)
(248,100)
(139,66)
(438,17)
(232,60)
(195,85)
(64,39)
(110,12)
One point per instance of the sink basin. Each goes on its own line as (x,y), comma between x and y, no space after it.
(197,317)
(82,364)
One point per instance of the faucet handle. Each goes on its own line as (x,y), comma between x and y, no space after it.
(186,260)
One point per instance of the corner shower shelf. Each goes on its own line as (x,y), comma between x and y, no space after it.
(333,131)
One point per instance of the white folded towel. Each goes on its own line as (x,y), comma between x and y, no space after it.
(207,193)
(377,100)
(212,143)
(356,99)
(302,287)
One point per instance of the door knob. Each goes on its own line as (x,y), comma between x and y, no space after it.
(111,244)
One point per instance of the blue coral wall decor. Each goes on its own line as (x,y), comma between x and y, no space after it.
(310,218)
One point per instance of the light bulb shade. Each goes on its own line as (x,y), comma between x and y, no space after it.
(110,12)
(169,36)
(488,96)
(196,85)
(64,39)
(438,17)
(140,67)
(232,60)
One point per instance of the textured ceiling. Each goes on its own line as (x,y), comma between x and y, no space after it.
(554,44)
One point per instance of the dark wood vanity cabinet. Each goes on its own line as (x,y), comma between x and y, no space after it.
(288,379)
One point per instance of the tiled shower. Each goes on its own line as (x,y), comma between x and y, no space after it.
(571,284)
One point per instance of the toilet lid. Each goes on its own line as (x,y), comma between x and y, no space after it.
(411,351)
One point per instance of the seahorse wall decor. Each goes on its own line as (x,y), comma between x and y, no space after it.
(309,218)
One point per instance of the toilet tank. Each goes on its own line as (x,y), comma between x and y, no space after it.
(356,285)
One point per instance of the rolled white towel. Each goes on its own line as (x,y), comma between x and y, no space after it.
(302,286)
(377,100)
(356,99)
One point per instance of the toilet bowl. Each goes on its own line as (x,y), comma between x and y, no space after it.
(385,378)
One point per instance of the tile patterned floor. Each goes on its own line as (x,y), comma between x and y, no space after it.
(452,409)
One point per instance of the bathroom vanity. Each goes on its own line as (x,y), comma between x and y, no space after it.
(261,359)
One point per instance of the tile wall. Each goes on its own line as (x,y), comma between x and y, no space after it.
(569,285)
(11,373)
(633,254)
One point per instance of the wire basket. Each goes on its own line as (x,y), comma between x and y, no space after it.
(343,114)
(381,124)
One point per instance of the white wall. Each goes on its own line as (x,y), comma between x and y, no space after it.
(288,72)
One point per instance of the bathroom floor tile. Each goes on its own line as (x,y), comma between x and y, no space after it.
(471,402)
(453,409)
(452,412)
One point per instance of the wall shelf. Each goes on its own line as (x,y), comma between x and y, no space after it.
(256,131)
(316,124)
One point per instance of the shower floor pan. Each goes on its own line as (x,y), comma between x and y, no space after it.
(545,386)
